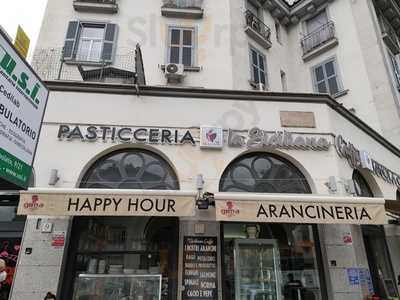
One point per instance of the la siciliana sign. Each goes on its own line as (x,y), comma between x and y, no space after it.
(23,99)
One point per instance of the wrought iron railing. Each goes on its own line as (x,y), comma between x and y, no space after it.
(318,37)
(387,29)
(183,3)
(98,1)
(257,25)
(50,65)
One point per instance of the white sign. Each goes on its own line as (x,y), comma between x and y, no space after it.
(211,137)
(23,99)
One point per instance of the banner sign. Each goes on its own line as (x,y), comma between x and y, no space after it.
(200,278)
(300,212)
(53,204)
(23,99)
(22,42)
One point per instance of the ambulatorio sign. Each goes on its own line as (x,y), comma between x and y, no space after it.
(300,212)
(106,204)
(360,159)
(23,99)
(207,137)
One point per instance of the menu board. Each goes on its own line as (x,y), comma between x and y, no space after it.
(200,278)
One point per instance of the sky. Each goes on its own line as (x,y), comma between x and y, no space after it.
(28,14)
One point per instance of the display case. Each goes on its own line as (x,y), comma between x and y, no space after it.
(257,270)
(117,287)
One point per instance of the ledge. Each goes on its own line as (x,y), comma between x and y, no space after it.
(184,13)
(96,7)
(340,94)
(261,40)
(320,49)
(73,62)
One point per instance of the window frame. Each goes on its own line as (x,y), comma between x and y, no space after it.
(337,76)
(193,47)
(83,25)
(251,65)
(395,68)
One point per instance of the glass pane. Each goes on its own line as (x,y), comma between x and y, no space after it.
(95,53)
(321,87)
(174,55)
(261,61)
(83,50)
(175,37)
(330,69)
(256,77)
(319,73)
(262,77)
(187,56)
(7,213)
(187,37)
(92,32)
(254,57)
(333,85)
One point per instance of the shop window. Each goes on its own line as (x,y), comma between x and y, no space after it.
(269,261)
(181,46)
(124,257)
(90,42)
(376,248)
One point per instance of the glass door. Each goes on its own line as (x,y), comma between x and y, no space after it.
(257,270)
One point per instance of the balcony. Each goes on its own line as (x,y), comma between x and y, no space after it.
(185,9)
(319,41)
(389,36)
(126,68)
(96,6)
(257,30)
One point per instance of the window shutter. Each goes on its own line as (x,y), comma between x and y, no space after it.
(71,40)
(109,43)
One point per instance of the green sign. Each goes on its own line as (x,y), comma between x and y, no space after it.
(23,99)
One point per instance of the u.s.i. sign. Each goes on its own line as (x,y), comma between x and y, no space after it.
(23,99)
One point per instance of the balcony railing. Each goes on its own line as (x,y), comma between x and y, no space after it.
(257,29)
(183,4)
(50,65)
(101,6)
(318,37)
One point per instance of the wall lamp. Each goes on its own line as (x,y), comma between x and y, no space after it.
(54,178)
(205,200)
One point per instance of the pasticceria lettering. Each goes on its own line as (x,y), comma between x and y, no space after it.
(126,134)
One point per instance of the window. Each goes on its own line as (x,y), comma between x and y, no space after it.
(326,79)
(395,68)
(258,67)
(278,32)
(253,9)
(181,48)
(283,81)
(316,22)
(90,42)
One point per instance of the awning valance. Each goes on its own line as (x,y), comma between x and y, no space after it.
(107,202)
(299,208)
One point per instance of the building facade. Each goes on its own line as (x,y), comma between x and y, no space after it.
(237,181)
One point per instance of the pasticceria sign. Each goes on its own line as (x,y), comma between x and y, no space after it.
(206,137)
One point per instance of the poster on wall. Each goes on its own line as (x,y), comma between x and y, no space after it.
(200,278)
(23,98)
(9,250)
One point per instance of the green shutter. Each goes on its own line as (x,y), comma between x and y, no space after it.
(71,40)
(109,44)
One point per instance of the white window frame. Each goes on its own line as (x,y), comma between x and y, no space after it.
(92,40)
(252,66)
(326,78)
(181,46)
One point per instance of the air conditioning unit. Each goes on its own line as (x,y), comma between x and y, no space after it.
(174,71)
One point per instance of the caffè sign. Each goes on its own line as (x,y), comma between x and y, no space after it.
(360,159)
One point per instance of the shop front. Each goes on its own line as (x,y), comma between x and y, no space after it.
(173,208)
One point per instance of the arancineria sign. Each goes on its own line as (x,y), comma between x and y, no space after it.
(206,137)
(23,99)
